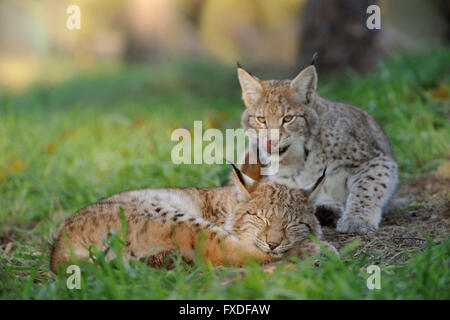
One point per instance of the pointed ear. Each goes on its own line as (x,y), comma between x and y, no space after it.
(313,189)
(304,86)
(252,89)
(244,184)
(252,170)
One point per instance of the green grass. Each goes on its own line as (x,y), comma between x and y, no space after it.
(64,147)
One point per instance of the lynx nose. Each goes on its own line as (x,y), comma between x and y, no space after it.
(273,245)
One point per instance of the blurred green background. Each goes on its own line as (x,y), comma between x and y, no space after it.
(36,46)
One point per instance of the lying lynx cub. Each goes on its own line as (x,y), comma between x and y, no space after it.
(251,220)
(314,133)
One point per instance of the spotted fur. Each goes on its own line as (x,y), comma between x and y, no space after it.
(362,173)
(226,229)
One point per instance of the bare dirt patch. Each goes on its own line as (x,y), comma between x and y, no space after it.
(419,213)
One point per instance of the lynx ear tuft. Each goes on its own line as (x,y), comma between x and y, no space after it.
(244,183)
(252,170)
(304,86)
(252,89)
(314,58)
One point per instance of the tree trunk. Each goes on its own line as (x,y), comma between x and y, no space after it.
(337,31)
(444,8)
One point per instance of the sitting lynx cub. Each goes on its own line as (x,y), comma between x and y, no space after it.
(251,220)
(314,133)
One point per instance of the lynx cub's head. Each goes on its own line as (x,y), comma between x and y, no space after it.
(286,105)
(276,218)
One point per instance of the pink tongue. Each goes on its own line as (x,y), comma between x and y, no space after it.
(269,148)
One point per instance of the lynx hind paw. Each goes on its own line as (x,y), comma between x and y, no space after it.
(355,225)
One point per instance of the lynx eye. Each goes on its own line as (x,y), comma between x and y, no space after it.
(261,119)
(288,119)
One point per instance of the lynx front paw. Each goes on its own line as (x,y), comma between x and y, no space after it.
(355,225)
